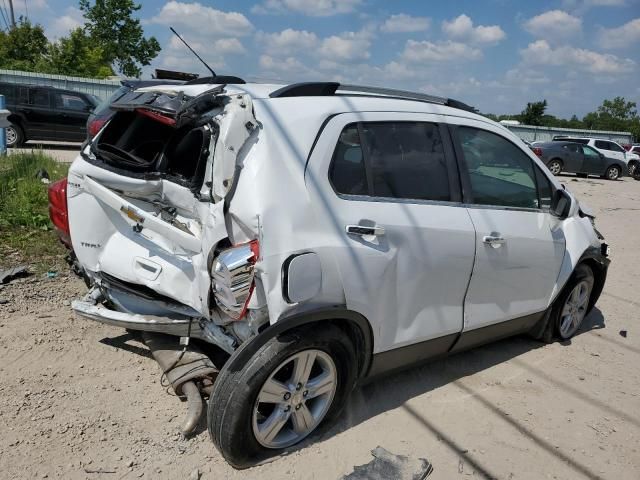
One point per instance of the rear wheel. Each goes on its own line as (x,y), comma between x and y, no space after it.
(15,136)
(555,166)
(285,391)
(633,167)
(613,172)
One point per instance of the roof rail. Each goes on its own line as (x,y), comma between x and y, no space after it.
(218,79)
(316,89)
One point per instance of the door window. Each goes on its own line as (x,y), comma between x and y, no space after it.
(572,147)
(603,145)
(68,101)
(9,92)
(402,160)
(39,97)
(590,152)
(500,173)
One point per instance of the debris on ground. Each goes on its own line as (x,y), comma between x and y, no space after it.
(16,272)
(387,465)
(52,274)
(43,176)
(623,333)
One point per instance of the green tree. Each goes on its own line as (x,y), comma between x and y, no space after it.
(617,115)
(533,113)
(111,25)
(78,55)
(23,47)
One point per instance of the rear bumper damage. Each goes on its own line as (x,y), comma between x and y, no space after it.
(175,325)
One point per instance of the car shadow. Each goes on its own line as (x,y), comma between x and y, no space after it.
(394,391)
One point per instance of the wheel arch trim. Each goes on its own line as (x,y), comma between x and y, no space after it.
(337,315)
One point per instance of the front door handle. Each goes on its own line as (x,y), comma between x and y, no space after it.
(364,231)
(494,240)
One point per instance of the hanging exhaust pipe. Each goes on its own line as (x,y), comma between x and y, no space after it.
(184,366)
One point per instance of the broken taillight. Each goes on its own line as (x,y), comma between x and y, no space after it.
(233,275)
(58,211)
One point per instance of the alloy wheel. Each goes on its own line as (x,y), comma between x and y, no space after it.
(12,136)
(294,399)
(574,309)
(613,173)
(555,168)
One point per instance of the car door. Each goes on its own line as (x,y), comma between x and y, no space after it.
(519,244)
(573,158)
(40,118)
(73,111)
(386,187)
(594,161)
(610,149)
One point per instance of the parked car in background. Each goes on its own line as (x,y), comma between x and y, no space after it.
(420,228)
(102,113)
(608,148)
(46,113)
(572,157)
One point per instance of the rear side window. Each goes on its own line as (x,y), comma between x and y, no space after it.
(572,148)
(603,145)
(583,141)
(39,97)
(500,173)
(403,160)
(347,171)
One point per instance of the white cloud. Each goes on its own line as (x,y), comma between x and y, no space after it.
(542,54)
(312,8)
(461,28)
(347,46)
(553,25)
(61,26)
(621,37)
(287,41)
(403,23)
(426,51)
(201,20)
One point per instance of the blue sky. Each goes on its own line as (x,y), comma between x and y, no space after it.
(496,54)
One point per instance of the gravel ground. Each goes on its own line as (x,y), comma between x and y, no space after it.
(83,400)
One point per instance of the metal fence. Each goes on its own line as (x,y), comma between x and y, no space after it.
(545,134)
(100,88)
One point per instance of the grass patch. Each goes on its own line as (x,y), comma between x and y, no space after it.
(26,234)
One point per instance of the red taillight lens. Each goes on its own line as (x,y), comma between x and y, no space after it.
(95,126)
(58,211)
(537,151)
(233,275)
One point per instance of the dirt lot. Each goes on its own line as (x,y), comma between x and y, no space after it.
(77,397)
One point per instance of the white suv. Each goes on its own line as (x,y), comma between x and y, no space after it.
(609,149)
(299,239)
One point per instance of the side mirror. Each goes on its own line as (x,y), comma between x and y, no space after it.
(561,204)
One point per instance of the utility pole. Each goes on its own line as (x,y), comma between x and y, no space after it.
(13,17)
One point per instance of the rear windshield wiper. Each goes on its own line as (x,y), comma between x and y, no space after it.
(120,157)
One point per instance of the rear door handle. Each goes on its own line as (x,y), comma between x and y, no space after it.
(494,241)
(364,231)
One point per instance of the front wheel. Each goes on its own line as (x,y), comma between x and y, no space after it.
(613,172)
(285,391)
(573,303)
(633,167)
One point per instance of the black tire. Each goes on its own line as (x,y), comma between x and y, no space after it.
(555,166)
(633,166)
(235,392)
(613,173)
(581,273)
(15,136)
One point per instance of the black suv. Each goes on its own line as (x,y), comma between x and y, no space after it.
(46,113)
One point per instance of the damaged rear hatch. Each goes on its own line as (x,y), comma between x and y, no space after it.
(146,197)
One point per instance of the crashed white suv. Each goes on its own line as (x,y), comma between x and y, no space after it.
(278,244)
